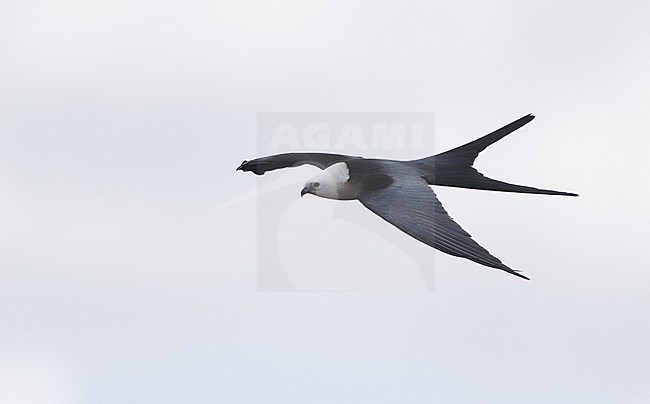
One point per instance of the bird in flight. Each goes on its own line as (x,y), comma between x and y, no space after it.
(400,193)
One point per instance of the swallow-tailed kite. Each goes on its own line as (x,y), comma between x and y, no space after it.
(399,192)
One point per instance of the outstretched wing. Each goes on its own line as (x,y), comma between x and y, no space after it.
(263,164)
(406,201)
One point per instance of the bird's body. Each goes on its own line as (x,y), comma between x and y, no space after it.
(400,192)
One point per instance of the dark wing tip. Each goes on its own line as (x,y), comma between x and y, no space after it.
(253,165)
(515,272)
(242,166)
(519,274)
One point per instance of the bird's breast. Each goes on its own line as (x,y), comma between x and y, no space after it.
(347,191)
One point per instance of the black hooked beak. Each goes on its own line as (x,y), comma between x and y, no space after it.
(304,191)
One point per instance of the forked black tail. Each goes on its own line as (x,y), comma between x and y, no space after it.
(453,168)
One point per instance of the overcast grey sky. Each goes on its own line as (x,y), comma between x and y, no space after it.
(121,280)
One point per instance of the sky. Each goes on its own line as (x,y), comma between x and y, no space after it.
(130,247)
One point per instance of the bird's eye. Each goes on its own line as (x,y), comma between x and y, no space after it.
(316,184)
